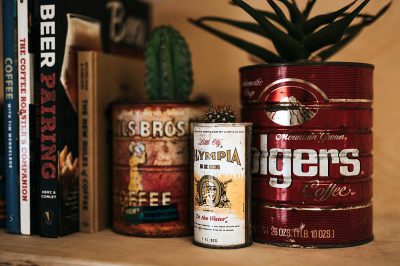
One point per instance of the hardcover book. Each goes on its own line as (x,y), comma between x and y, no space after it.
(99,86)
(63,28)
(25,95)
(2,179)
(10,68)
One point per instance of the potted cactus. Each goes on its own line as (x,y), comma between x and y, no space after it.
(312,140)
(151,144)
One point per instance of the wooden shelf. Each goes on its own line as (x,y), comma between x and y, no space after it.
(108,248)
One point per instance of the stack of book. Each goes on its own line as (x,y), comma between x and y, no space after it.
(43,74)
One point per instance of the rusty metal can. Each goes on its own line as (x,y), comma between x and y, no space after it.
(312,144)
(151,183)
(222,194)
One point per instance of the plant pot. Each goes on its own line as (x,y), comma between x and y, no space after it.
(151,168)
(312,146)
(222,185)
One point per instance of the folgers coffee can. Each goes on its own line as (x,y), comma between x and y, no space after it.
(222,194)
(312,143)
(151,183)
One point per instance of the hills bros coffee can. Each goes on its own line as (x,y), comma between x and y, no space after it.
(151,183)
(222,185)
(312,162)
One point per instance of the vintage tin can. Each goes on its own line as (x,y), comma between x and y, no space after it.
(312,144)
(151,182)
(222,194)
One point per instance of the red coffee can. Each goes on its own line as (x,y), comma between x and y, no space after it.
(151,168)
(312,144)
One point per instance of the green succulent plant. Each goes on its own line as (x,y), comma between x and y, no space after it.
(169,74)
(220,114)
(296,37)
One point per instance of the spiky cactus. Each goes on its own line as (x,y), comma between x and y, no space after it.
(297,38)
(169,75)
(220,114)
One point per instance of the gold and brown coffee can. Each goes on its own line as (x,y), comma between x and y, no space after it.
(151,168)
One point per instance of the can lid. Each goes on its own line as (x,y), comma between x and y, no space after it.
(245,124)
(294,64)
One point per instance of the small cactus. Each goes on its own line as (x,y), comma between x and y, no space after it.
(169,74)
(220,114)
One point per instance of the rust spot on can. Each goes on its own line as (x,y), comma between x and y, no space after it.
(151,168)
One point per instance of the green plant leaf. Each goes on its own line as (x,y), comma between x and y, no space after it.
(352,33)
(380,13)
(311,25)
(331,51)
(249,47)
(243,25)
(332,33)
(295,14)
(267,14)
(309,6)
(290,27)
(288,47)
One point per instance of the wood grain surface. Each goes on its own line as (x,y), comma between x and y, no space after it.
(108,248)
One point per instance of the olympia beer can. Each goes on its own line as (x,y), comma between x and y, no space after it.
(222,185)
(312,143)
(151,177)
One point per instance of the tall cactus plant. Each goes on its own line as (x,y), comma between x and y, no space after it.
(169,74)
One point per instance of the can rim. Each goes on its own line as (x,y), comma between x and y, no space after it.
(202,124)
(299,64)
(162,104)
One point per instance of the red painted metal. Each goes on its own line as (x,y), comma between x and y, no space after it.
(312,144)
(151,169)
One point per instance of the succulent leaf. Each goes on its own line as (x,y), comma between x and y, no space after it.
(265,13)
(309,6)
(243,25)
(301,39)
(290,27)
(169,75)
(332,33)
(295,14)
(318,21)
(351,33)
(251,48)
(288,47)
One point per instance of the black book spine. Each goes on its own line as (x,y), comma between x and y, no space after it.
(47,84)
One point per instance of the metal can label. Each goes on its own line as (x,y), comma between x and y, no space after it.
(312,161)
(150,166)
(219,185)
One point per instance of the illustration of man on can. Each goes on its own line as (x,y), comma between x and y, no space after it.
(138,156)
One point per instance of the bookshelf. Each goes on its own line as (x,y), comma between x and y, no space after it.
(108,248)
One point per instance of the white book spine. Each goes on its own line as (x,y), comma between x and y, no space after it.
(24,100)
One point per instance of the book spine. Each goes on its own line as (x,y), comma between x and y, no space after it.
(24,96)
(3,217)
(86,68)
(48,83)
(11,116)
